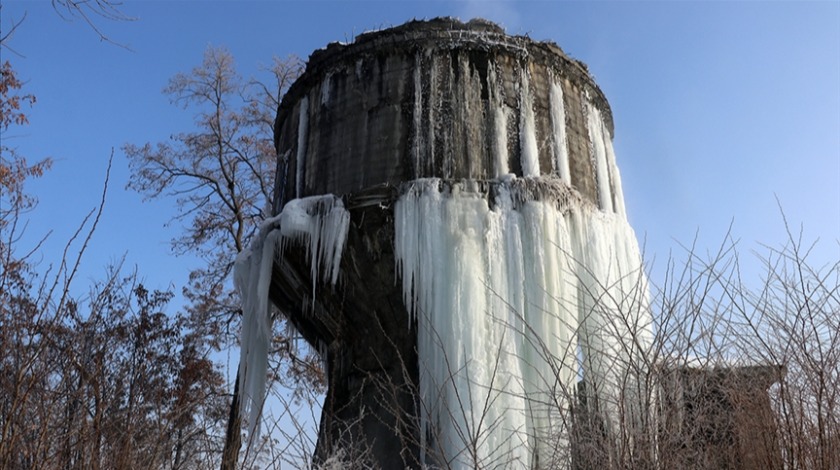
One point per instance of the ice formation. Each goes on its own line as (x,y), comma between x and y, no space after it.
(505,290)
(527,134)
(558,126)
(520,287)
(500,122)
(303,134)
(319,224)
(606,171)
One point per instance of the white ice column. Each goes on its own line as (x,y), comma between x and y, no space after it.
(303,135)
(558,126)
(613,313)
(503,297)
(499,114)
(528,150)
(469,372)
(598,135)
(495,296)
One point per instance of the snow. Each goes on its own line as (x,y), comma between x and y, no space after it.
(320,224)
(505,288)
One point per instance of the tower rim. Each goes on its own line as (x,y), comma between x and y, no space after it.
(438,34)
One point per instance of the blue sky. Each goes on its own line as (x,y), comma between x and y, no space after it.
(720,108)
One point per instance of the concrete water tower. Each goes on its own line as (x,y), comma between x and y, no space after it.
(451,220)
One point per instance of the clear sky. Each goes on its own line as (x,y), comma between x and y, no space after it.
(720,108)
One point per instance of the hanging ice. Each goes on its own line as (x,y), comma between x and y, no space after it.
(610,194)
(300,156)
(505,289)
(500,121)
(317,223)
(558,127)
(527,131)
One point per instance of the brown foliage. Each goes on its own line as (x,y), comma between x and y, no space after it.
(10,102)
(104,381)
(14,169)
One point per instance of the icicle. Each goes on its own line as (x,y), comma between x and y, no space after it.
(616,178)
(595,125)
(614,311)
(252,274)
(321,224)
(326,89)
(433,118)
(500,121)
(358,68)
(558,124)
(303,130)
(417,146)
(499,296)
(527,133)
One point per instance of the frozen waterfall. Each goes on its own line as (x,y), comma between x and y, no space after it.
(509,288)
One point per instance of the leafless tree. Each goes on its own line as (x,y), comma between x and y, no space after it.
(221,176)
(109,380)
(90,11)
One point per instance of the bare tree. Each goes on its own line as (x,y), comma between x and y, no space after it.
(221,176)
(104,381)
(90,11)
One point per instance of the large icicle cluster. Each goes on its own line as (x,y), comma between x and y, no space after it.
(520,292)
(504,295)
(318,223)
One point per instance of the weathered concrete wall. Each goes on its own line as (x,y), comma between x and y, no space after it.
(420,100)
(364,336)
(719,418)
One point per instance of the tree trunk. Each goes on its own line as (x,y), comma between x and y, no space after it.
(233,437)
